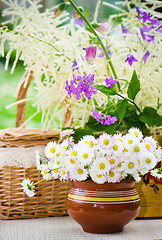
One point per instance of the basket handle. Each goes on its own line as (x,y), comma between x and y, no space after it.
(21,107)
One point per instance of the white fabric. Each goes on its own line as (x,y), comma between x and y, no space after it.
(19,156)
(64,228)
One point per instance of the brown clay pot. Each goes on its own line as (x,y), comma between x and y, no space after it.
(103,208)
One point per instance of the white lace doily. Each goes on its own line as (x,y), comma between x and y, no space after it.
(19,156)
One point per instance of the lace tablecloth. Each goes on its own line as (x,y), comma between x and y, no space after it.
(64,228)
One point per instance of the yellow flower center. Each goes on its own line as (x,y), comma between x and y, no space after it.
(136,134)
(125,150)
(52,150)
(85,155)
(72,161)
(130,141)
(112,160)
(115,147)
(136,149)
(55,170)
(119,139)
(63,172)
(57,162)
(58,154)
(64,147)
(74,153)
(111,174)
(147,145)
(91,144)
(106,141)
(45,171)
(102,166)
(120,164)
(131,165)
(86,142)
(80,171)
(98,175)
(148,160)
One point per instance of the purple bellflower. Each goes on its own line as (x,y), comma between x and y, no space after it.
(144,33)
(91,53)
(146,55)
(130,59)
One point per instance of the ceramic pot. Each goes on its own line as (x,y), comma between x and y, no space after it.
(103,208)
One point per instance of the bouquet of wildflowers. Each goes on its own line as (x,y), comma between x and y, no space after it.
(103,76)
(104,159)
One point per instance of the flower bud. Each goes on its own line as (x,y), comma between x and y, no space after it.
(57,12)
(103,28)
(75,15)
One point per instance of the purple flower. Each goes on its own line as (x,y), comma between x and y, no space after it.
(105,119)
(81,85)
(91,53)
(102,54)
(97,115)
(125,30)
(110,81)
(143,15)
(144,33)
(103,28)
(75,65)
(130,59)
(80,22)
(146,55)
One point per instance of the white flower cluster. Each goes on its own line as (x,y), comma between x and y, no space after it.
(106,159)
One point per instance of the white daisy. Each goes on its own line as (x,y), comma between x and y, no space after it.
(136,177)
(27,186)
(114,176)
(105,140)
(113,161)
(150,143)
(98,178)
(136,132)
(63,174)
(131,165)
(137,149)
(88,140)
(79,173)
(101,166)
(85,155)
(67,132)
(156,173)
(46,172)
(128,140)
(51,150)
(117,147)
(148,161)
(158,154)
(70,162)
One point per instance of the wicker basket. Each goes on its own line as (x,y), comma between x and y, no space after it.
(50,198)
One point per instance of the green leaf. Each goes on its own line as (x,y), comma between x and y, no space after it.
(121,109)
(105,90)
(87,13)
(151,117)
(61,6)
(95,24)
(134,86)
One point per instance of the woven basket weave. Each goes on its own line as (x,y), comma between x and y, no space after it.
(50,198)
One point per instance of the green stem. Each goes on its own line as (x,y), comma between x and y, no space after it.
(40,40)
(99,39)
(37,182)
(129,101)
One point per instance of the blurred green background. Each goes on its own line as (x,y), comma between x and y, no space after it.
(9,82)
